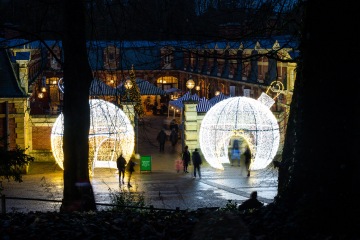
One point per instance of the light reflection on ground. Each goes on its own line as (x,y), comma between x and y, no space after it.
(163,187)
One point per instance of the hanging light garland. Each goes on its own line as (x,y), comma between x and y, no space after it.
(245,117)
(111,133)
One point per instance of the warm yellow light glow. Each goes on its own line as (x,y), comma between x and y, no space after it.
(110,134)
(197,88)
(43,89)
(217,93)
(239,116)
(40,95)
(190,84)
(128,84)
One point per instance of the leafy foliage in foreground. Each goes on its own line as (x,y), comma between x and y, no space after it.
(124,198)
(13,163)
(152,224)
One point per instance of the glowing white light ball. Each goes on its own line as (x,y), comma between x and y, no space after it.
(110,134)
(244,117)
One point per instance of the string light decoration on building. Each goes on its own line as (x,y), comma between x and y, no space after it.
(110,134)
(244,117)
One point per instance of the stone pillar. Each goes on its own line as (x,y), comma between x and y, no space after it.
(191,126)
(128,108)
(21,117)
(19,114)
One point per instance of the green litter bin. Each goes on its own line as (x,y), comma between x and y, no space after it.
(145,164)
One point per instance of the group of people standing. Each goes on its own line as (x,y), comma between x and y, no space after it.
(236,155)
(174,136)
(122,166)
(196,161)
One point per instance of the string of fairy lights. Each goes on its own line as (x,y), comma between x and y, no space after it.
(247,118)
(111,133)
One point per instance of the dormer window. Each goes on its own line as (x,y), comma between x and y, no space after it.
(111,57)
(167,57)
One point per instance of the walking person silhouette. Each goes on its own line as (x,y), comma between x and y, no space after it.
(196,159)
(161,138)
(247,155)
(186,159)
(130,168)
(121,163)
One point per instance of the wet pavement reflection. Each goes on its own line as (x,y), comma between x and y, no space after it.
(162,187)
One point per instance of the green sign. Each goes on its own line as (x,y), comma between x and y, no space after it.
(145,163)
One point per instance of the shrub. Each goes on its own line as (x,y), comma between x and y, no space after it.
(13,162)
(230,206)
(125,199)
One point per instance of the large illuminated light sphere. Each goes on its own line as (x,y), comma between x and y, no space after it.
(111,133)
(242,117)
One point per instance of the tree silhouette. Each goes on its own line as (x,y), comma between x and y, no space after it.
(78,194)
(318,177)
(318,192)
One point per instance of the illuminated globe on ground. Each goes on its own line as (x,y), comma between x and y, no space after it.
(110,134)
(243,117)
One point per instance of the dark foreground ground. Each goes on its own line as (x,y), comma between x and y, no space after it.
(125,225)
(213,189)
(130,224)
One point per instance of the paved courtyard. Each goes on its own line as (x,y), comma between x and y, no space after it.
(162,187)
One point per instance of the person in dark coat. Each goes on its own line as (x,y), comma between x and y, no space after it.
(174,125)
(121,163)
(161,138)
(154,108)
(163,109)
(196,159)
(130,168)
(186,159)
(247,155)
(173,138)
(251,203)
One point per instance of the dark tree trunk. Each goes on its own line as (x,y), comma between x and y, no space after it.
(78,194)
(320,172)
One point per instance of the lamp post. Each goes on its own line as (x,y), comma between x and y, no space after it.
(128,85)
(190,84)
(197,88)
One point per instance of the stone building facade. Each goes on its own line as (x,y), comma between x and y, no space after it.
(235,69)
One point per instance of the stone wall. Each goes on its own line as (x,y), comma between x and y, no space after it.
(41,138)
